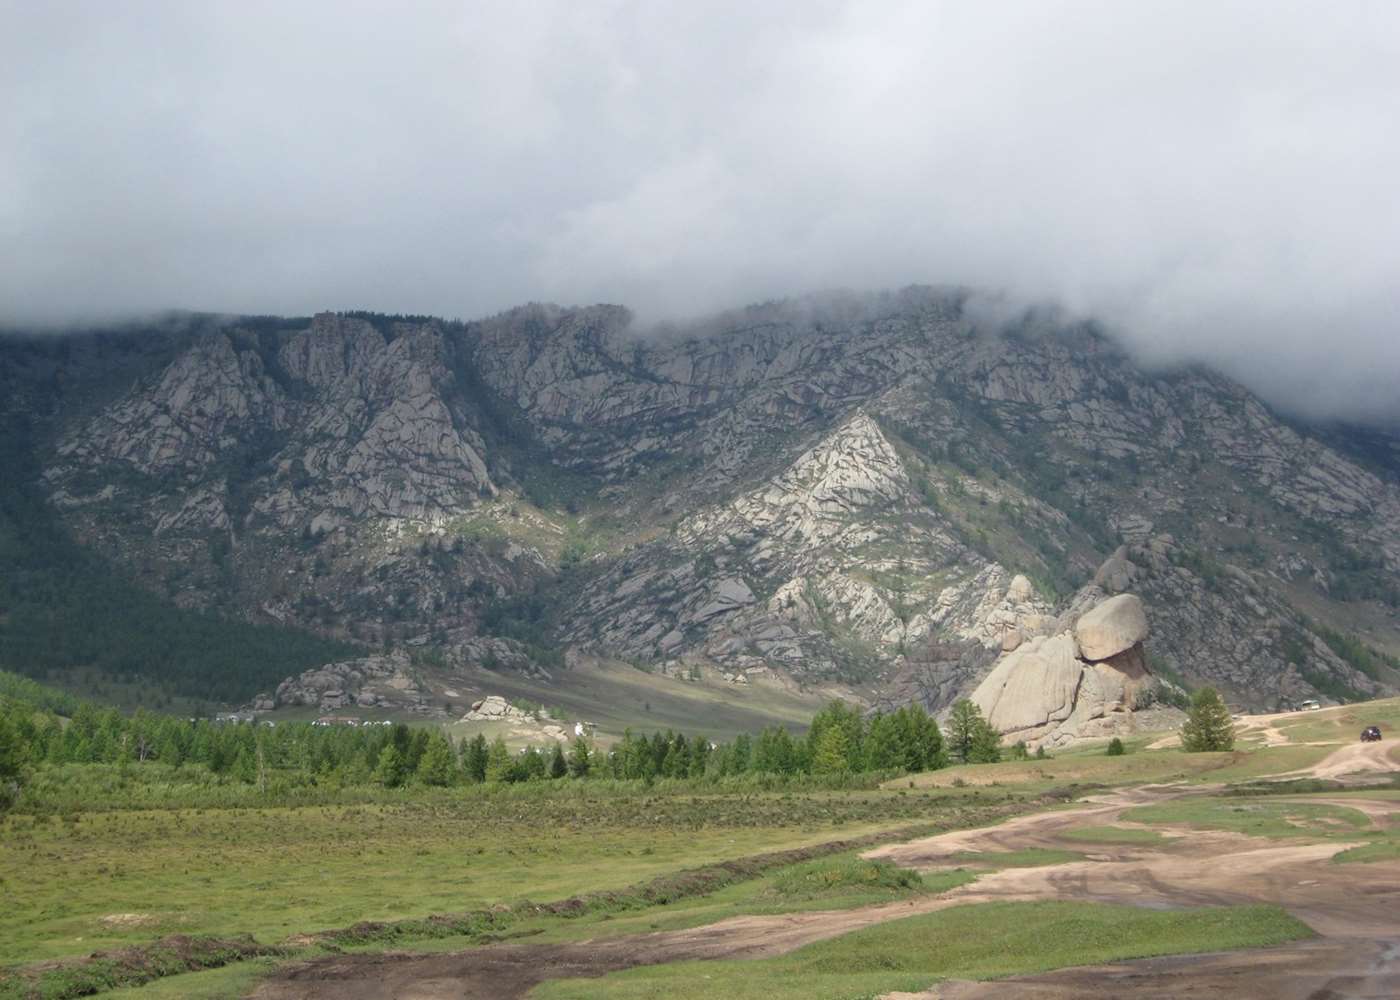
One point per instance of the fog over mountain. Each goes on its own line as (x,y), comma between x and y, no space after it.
(1213,182)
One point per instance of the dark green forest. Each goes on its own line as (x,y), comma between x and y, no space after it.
(45,734)
(63,608)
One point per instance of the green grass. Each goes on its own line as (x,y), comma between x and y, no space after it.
(1166,765)
(820,878)
(1142,767)
(750,897)
(970,942)
(1255,817)
(1385,848)
(1342,724)
(617,696)
(212,984)
(1117,835)
(277,872)
(1242,765)
(1029,857)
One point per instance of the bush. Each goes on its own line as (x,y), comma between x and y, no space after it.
(1115,747)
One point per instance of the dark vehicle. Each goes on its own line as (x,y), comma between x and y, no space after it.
(1371,734)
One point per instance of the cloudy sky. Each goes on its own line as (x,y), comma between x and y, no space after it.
(1217,180)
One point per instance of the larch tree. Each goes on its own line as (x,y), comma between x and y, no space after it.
(1208,725)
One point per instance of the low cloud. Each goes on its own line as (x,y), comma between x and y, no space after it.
(1214,182)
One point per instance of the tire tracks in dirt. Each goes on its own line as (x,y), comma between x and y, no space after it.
(1352,907)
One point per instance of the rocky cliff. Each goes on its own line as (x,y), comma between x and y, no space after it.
(875,488)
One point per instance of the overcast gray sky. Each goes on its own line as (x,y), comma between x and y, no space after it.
(1218,180)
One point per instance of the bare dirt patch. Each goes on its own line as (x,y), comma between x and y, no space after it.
(1357,758)
(1351,907)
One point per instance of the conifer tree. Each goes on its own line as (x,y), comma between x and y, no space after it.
(1208,726)
(9,752)
(971,739)
(986,744)
(962,729)
(558,766)
(476,757)
(580,758)
(832,752)
(390,771)
(499,766)
(439,763)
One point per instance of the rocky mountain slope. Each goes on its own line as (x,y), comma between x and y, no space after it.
(872,488)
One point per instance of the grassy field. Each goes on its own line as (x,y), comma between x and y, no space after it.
(617,696)
(1142,767)
(108,867)
(101,879)
(966,942)
(1256,818)
(614,696)
(1342,724)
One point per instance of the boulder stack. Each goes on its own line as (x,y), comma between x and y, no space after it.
(1082,682)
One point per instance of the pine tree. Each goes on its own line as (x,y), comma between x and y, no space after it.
(390,771)
(740,754)
(844,717)
(699,756)
(499,766)
(245,767)
(476,757)
(580,758)
(832,753)
(558,766)
(438,765)
(1208,726)
(963,729)
(884,744)
(531,765)
(986,743)
(9,752)
(923,740)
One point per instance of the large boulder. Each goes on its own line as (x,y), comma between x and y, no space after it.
(1034,686)
(1113,627)
(1118,573)
(1082,682)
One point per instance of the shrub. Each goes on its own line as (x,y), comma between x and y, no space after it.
(1115,747)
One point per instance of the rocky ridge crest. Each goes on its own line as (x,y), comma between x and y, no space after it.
(876,489)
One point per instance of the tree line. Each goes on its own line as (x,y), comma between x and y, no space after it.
(40,728)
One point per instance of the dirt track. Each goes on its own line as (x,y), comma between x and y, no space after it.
(1358,758)
(1355,909)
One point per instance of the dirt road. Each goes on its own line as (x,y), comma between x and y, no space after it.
(1353,907)
(1358,758)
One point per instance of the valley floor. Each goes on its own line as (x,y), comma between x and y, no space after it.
(1350,907)
(1288,848)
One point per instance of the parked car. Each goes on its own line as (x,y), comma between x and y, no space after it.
(1371,734)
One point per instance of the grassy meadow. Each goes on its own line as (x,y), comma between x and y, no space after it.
(122,856)
(77,882)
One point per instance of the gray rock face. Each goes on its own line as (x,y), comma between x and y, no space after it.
(373,681)
(494,708)
(823,488)
(1115,626)
(1117,574)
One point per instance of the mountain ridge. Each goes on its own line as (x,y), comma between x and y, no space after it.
(830,488)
